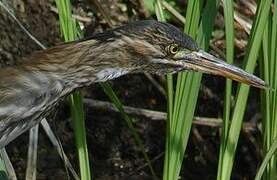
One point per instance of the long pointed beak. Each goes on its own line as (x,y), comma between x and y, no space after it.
(207,63)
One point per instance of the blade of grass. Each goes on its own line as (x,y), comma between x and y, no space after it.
(243,90)
(69,31)
(266,160)
(170,95)
(175,144)
(273,82)
(265,95)
(116,102)
(77,113)
(174,12)
(229,31)
(192,81)
(180,123)
(265,101)
(269,108)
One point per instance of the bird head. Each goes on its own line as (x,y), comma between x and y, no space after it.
(157,47)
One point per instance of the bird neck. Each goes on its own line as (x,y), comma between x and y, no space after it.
(80,64)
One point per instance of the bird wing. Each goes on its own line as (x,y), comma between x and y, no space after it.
(23,99)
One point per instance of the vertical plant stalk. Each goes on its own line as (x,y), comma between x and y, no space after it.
(229,33)
(265,98)
(269,105)
(243,90)
(185,98)
(273,82)
(170,94)
(69,31)
(118,105)
(269,155)
(181,108)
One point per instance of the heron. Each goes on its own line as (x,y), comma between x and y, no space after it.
(31,89)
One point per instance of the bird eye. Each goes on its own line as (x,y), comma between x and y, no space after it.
(172,49)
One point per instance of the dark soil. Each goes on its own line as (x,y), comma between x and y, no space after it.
(112,149)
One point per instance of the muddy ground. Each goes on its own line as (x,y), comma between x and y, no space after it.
(112,150)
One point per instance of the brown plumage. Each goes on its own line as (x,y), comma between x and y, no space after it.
(31,89)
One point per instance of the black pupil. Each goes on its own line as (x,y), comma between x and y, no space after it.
(174,49)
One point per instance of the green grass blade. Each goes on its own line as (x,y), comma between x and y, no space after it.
(265,95)
(192,80)
(273,60)
(69,32)
(77,113)
(273,65)
(170,95)
(180,119)
(229,29)
(116,102)
(243,90)
(266,160)
(181,123)
(268,98)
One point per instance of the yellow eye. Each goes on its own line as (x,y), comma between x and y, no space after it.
(172,49)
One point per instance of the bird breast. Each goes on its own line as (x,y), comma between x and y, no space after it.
(110,73)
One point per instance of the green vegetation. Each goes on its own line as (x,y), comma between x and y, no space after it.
(250,59)
(182,102)
(69,33)
(268,69)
